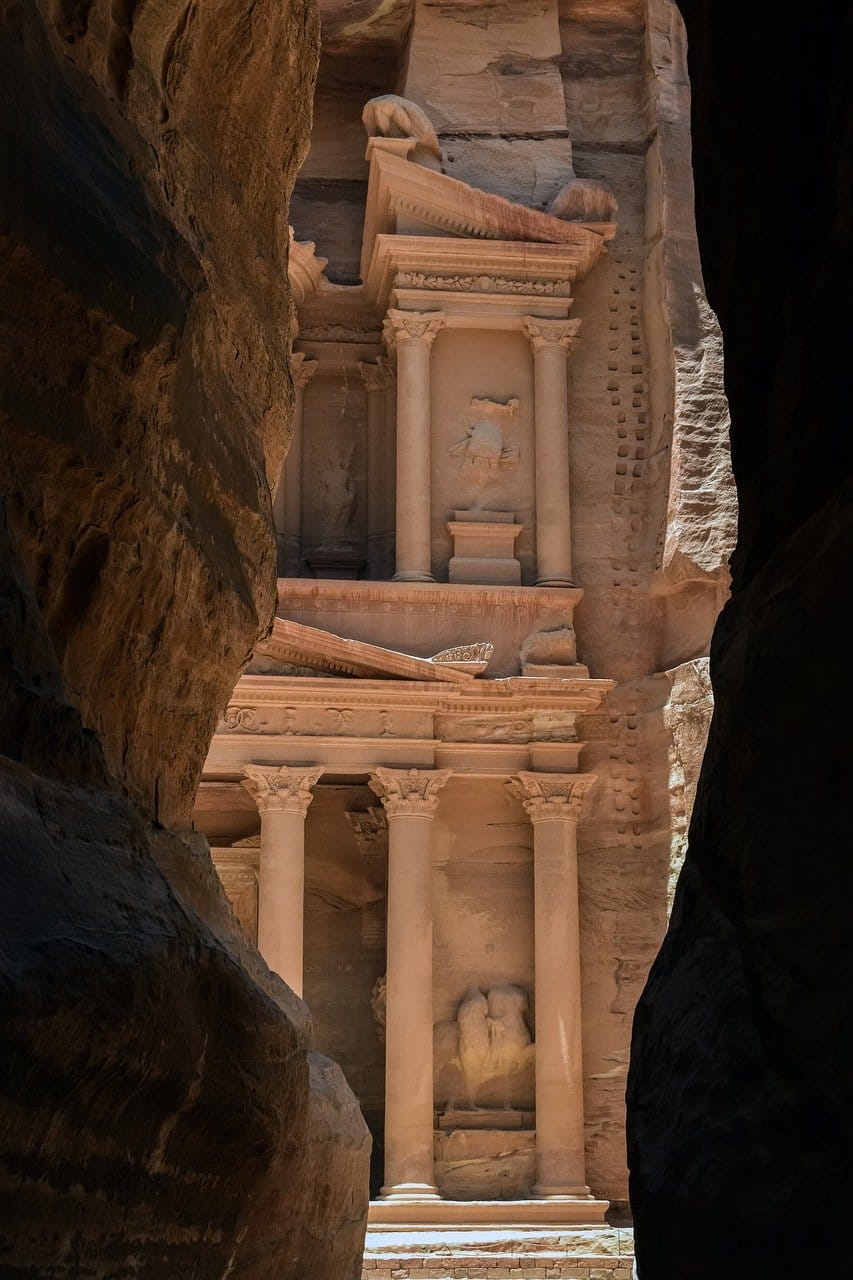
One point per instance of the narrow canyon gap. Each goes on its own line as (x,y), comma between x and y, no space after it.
(739,1117)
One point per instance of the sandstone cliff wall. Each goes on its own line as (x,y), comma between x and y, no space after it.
(163,1109)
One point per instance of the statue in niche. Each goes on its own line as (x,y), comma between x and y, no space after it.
(337,473)
(486,1055)
(484,452)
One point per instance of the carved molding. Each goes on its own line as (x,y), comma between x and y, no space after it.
(551,796)
(411,326)
(281,787)
(482,284)
(302,369)
(409,792)
(550,333)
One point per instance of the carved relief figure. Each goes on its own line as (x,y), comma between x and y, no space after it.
(483,450)
(337,473)
(487,1052)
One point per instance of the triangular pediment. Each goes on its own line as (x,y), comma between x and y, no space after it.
(424,200)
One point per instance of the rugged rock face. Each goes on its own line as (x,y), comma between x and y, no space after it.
(163,1110)
(739,1121)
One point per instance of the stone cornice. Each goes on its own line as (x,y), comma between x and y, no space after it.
(411,793)
(550,333)
(549,797)
(280,787)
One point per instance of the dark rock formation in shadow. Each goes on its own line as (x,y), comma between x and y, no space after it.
(740,1123)
(162,1112)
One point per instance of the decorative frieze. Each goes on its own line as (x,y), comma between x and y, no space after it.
(483,284)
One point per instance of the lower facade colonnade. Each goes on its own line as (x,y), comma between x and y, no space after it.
(410,798)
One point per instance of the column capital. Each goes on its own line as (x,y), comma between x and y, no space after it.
(550,333)
(411,326)
(376,376)
(409,792)
(551,796)
(280,787)
(370,828)
(302,368)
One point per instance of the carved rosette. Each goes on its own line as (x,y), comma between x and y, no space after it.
(550,797)
(550,333)
(411,326)
(378,376)
(281,788)
(409,793)
(302,369)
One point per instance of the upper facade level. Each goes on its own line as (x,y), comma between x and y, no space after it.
(431,435)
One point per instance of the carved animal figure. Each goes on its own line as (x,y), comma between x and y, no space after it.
(493,1039)
(390,116)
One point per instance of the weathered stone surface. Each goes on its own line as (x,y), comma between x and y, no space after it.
(163,1109)
(739,1095)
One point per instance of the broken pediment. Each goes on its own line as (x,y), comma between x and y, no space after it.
(310,648)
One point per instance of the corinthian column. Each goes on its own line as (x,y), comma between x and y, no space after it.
(551,341)
(376,378)
(287,504)
(553,802)
(282,796)
(410,797)
(413,332)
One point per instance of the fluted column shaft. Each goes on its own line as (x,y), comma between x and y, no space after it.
(376,378)
(410,797)
(287,503)
(553,803)
(414,333)
(551,341)
(282,796)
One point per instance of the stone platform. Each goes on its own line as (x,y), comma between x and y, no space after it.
(498,1253)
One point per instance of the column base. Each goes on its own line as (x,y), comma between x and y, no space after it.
(412,575)
(410,1193)
(554,582)
(432,1212)
(562,1193)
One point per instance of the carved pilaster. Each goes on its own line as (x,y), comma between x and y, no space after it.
(281,788)
(550,333)
(370,828)
(376,376)
(302,369)
(409,792)
(550,796)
